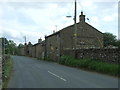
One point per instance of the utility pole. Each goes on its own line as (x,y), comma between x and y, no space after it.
(75,25)
(25,39)
(25,46)
(56,28)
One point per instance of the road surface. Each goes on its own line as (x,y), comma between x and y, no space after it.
(32,73)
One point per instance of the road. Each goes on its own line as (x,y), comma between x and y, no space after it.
(32,73)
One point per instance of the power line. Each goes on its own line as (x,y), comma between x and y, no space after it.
(69,13)
(82,9)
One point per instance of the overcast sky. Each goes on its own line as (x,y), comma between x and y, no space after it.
(37,18)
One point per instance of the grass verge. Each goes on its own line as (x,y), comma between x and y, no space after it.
(7,71)
(89,64)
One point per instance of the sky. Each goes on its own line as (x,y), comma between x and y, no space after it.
(37,18)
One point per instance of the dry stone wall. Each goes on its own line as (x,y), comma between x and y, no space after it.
(105,55)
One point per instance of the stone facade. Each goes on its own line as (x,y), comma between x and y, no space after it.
(87,37)
(52,46)
(23,50)
(29,49)
(34,51)
(37,50)
(40,50)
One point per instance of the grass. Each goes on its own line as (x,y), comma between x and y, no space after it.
(7,71)
(90,64)
(45,59)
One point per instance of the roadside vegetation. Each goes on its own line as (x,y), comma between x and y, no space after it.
(110,39)
(45,59)
(89,64)
(7,69)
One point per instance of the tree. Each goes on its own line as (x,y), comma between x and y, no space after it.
(118,43)
(12,47)
(20,45)
(109,39)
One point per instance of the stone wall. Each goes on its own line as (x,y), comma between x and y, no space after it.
(52,47)
(37,50)
(34,51)
(22,51)
(1,63)
(40,51)
(105,55)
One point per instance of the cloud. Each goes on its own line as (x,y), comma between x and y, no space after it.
(17,35)
(55,0)
(108,18)
(37,19)
(32,22)
(95,22)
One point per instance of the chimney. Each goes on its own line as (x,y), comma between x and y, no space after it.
(39,40)
(29,43)
(53,31)
(25,44)
(82,17)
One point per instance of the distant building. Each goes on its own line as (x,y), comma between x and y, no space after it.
(87,37)
(37,50)
(23,50)
(29,49)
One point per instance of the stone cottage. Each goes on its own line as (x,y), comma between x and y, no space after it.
(38,49)
(87,37)
(29,49)
(23,50)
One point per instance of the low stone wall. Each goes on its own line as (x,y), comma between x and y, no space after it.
(106,55)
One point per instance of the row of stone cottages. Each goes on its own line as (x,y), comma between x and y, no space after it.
(55,44)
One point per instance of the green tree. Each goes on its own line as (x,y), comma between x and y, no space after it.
(109,39)
(12,47)
(118,43)
(20,45)
(9,47)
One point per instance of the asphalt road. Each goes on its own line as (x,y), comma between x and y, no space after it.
(32,73)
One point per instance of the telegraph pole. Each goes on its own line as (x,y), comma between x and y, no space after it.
(25,38)
(75,24)
(25,46)
(56,28)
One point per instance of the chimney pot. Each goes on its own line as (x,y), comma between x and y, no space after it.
(82,17)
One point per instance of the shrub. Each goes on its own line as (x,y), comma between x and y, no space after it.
(91,64)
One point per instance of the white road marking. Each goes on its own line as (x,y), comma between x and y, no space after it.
(57,76)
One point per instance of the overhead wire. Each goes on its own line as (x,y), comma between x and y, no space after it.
(82,9)
(69,13)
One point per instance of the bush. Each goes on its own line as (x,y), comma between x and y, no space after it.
(91,64)
(47,59)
